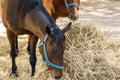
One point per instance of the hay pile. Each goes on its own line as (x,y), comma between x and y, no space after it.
(89,56)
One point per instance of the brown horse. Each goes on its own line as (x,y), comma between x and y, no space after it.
(62,8)
(30,17)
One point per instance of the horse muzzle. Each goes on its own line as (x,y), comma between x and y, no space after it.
(73,17)
(57,74)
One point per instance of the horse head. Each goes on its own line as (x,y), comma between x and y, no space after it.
(73,8)
(52,49)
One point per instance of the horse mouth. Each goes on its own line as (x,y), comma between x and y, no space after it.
(57,74)
(73,17)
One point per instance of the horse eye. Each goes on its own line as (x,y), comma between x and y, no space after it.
(53,51)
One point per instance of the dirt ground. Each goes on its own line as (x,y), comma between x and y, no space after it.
(104,14)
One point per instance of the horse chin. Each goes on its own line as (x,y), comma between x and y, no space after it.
(57,74)
(73,17)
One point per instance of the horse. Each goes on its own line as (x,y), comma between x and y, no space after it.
(59,8)
(30,17)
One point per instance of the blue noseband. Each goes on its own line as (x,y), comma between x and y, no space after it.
(47,62)
(71,5)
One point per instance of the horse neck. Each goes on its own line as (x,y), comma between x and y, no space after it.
(36,22)
(60,8)
(48,5)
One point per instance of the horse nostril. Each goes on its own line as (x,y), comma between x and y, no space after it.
(76,17)
(57,77)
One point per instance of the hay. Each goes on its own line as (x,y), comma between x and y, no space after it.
(89,56)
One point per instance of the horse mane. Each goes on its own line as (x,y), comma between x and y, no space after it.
(25,6)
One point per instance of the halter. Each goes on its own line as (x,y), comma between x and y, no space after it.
(47,62)
(71,4)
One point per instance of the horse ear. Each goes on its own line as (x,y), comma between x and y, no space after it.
(67,27)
